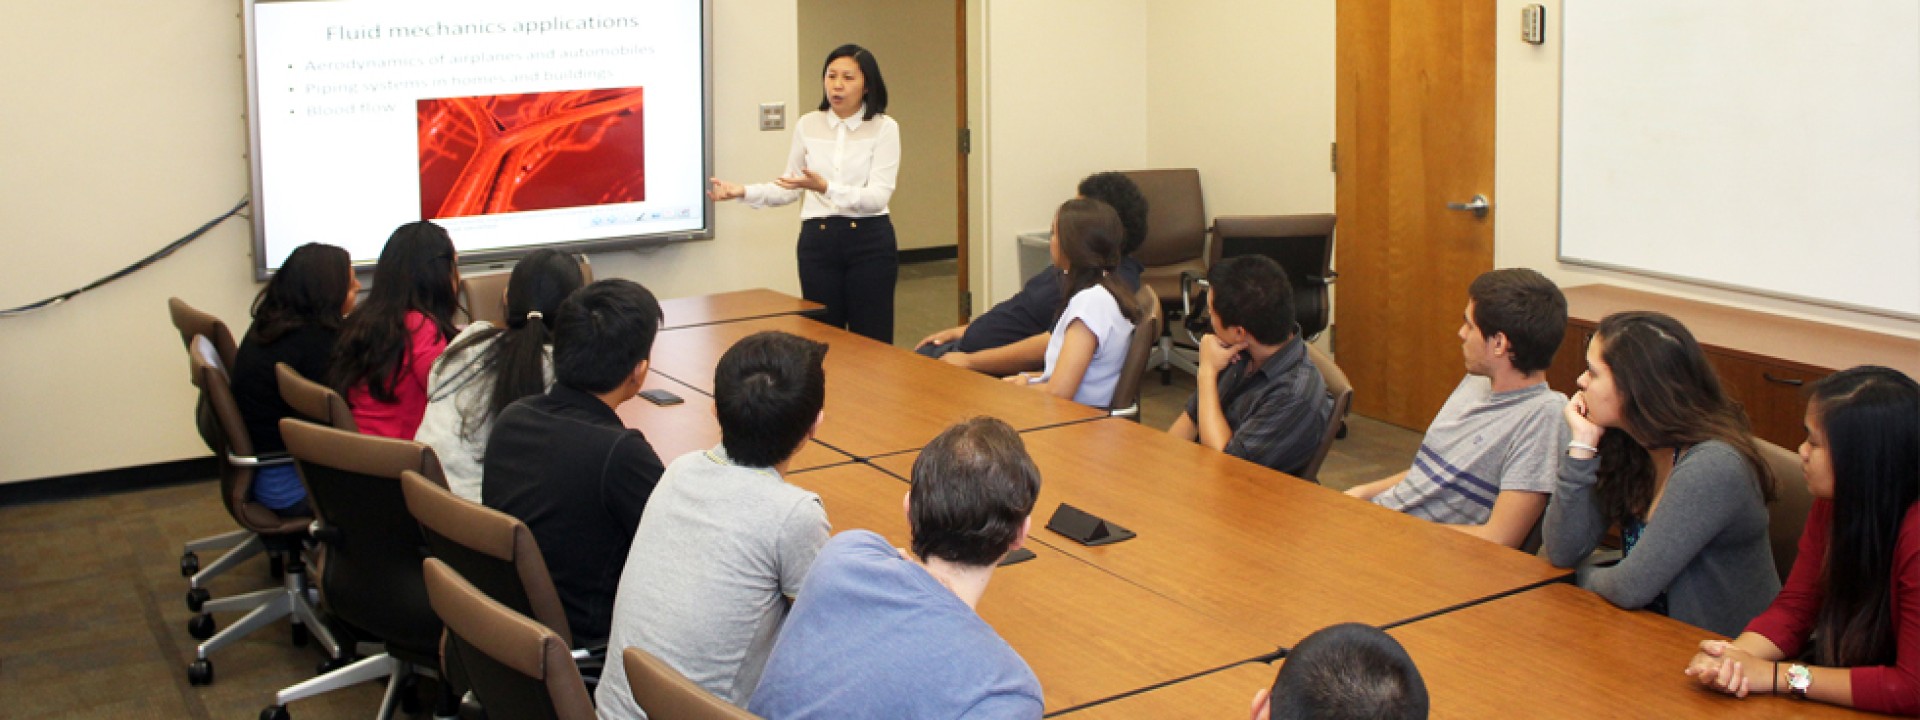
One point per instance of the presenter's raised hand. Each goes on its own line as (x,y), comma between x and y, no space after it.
(721,190)
(807,180)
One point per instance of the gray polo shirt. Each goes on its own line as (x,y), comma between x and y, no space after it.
(1481,444)
(718,550)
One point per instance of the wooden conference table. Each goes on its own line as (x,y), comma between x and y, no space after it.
(1232,560)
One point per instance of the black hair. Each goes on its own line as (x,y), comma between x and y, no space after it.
(416,273)
(1872,420)
(1348,671)
(1527,307)
(1090,236)
(309,289)
(1252,292)
(1120,193)
(767,391)
(605,329)
(973,487)
(517,359)
(876,99)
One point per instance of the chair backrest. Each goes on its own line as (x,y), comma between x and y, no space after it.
(491,549)
(518,667)
(1302,244)
(484,295)
(225,432)
(191,321)
(312,400)
(1341,389)
(371,577)
(1126,392)
(1176,216)
(1787,514)
(664,694)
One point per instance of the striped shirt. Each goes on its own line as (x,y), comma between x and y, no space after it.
(1481,444)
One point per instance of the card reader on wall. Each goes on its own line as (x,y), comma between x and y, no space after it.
(1086,529)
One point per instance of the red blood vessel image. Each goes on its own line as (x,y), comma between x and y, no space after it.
(531,151)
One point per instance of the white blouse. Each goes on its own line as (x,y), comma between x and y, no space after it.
(1113,333)
(859,159)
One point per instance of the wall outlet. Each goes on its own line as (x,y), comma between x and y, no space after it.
(773,116)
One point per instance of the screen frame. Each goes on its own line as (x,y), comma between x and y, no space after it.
(257,217)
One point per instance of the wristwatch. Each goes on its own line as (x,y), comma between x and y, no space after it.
(1799,678)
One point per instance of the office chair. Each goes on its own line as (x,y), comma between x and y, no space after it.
(192,323)
(370,580)
(1787,514)
(519,668)
(665,694)
(262,529)
(498,554)
(1176,245)
(312,400)
(1302,244)
(1341,390)
(1126,393)
(483,296)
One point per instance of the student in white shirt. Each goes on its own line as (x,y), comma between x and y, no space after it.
(843,163)
(1089,342)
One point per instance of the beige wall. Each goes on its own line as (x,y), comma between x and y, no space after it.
(1065,82)
(914,42)
(125,130)
(1527,184)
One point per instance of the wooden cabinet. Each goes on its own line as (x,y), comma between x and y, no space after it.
(1765,362)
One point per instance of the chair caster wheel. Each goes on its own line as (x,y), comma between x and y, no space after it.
(410,697)
(189,564)
(197,597)
(200,673)
(201,626)
(277,712)
(300,636)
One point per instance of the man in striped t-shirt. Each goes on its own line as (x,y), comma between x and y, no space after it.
(1487,463)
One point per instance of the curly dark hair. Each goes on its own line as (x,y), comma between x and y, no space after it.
(1118,192)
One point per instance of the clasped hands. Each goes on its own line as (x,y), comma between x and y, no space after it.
(1725,667)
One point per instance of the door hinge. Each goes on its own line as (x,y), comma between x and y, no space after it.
(966,140)
(966,303)
(1333,157)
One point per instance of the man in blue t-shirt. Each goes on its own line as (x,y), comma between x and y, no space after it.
(878,632)
(1012,336)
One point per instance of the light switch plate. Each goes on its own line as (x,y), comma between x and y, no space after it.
(773,116)
(1533,24)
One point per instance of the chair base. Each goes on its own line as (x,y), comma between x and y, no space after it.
(245,544)
(398,672)
(293,600)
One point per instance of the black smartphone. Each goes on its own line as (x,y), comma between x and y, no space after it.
(660,397)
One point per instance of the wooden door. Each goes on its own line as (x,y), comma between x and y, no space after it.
(1414,126)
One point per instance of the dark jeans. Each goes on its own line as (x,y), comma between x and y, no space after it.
(850,265)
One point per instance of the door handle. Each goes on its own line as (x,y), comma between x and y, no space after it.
(1478,206)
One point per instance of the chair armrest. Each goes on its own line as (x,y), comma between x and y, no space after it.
(267,460)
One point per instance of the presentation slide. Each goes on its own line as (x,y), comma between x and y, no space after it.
(513,125)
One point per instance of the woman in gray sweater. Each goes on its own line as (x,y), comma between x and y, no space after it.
(1660,450)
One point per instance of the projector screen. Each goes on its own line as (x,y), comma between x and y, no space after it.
(1769,145)
(574,123)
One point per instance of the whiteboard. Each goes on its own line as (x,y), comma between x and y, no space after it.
(1767,145)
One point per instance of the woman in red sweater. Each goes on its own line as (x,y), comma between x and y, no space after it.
(388,345)
(1855,585)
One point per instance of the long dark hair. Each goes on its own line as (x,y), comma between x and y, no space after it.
(415,273)
(517,359)
(1669,398)
(1091,237)
(1872,420)
(309,289)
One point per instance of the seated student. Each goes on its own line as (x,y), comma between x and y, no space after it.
(879,632)
(564,464)
(386,349)
(1258,397)
(725,541)
(1487,463)
(1659,450)
(1856,580)
(486,368)
(1345,672)
(1012,336)
(1090,339)
(296,318)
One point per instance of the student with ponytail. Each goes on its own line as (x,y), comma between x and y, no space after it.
(1846,628)
(1090,336)
(486,368)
